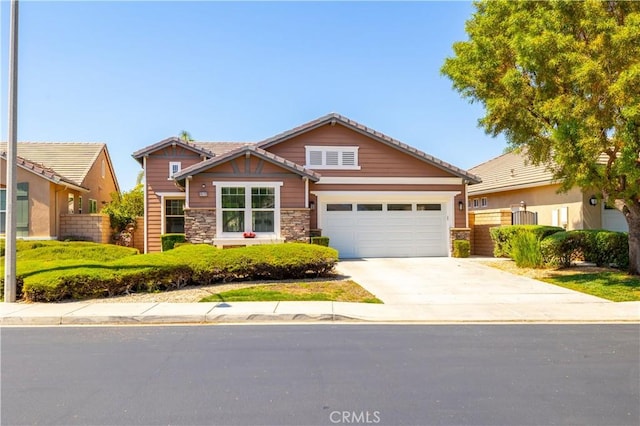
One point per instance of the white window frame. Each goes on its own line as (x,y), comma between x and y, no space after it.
(340,150)
(71,203)
(484,202)
(247,208)
(476,203)
(171,172)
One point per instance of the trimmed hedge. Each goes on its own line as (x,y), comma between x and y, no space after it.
(604,248)
(169,241)
(321,241)
(461,248)
(525,250)
(56,279)
(503,236)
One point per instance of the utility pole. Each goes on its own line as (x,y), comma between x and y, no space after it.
(12,168)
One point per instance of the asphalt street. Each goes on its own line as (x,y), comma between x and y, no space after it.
(321,375)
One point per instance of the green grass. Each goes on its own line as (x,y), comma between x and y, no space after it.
(52,271)
(334,291)
(614,286)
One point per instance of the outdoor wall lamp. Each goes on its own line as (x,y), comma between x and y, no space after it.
(593,200)
(523,205)
(203,192)
(460,205)
(312,205)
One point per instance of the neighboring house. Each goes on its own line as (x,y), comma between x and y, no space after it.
(369,193)
(511,185)
(56,179)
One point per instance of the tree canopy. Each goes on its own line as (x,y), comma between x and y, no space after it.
(561,80)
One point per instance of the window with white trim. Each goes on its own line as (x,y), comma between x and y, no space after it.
(484,202)
(174,216)
(174,167)
(332,157)
(93,206)
(249,208)
(476,203)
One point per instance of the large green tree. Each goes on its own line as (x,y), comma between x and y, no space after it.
(561,80)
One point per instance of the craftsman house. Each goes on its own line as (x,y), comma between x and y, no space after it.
(372,195)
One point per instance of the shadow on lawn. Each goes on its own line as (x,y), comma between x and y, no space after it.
(603,278)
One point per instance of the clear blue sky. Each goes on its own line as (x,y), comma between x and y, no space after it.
(133,73)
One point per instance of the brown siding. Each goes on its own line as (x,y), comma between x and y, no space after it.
(157,178)
(375,158)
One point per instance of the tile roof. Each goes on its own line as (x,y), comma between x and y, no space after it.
(508,172)
(174,140)
(47,173)
(73,160)
(333,118)
(241,150)
(219,148)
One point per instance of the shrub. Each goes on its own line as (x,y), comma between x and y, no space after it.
(49,277)
(525,250)
(169,240)
(461,248)
(502,236)
(321,241)
(561,248)
(614,248)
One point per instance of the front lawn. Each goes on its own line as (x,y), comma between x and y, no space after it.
(607,283)
(613,285)
(336,291)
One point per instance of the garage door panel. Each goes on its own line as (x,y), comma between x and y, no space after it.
(386,233)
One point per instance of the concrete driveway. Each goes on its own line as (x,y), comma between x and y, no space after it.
(450,281)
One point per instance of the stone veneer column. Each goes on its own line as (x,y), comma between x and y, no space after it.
(200,225)
(459,234)
(295,224)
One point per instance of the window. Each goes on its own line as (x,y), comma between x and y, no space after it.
(174,216)
(174,167)
(476,203)
(332,157)
(93,206)
(339,207)
(369,207)
(249,208)
(71,204)
(429,207)
(484,202)
(22,210)
(80,205)
(398,207)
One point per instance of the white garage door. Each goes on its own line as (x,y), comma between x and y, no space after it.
(613,220)
(371,229)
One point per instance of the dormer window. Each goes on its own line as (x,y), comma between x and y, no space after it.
(174,167)
(332,157)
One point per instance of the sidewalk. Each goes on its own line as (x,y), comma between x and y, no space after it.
(87,313)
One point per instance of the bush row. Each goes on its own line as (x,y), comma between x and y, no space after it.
(535,246)
(604,248)
(182,266)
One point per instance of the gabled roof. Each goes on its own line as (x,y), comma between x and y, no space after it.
(219,148)
(171,142)
(73,160)
(508,172)
(334,118)
(240,151)
(45,172)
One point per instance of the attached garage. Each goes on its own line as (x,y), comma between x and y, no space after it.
(387,227)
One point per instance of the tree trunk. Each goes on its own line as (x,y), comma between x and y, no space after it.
(633,220)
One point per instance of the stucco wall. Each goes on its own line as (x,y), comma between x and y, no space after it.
(543,200)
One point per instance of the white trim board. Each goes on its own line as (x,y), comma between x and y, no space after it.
(390,180)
